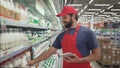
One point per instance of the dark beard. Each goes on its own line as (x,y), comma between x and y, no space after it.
(69,24)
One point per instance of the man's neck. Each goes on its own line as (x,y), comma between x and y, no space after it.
(74,25)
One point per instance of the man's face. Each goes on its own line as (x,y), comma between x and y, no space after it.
(67,21)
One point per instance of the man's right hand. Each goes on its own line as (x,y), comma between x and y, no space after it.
(31,62)
(46,54)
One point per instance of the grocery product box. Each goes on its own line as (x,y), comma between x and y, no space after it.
(116,57)
(107,46)
(116,51)
(104,40)
(106,52)
(106,62)
(116,60)
(115,63)
(106,57)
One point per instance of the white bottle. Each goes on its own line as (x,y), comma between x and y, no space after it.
(5,8)
(12,10)
(24,62)
(28,56)
(2,7)
(8,64)
(10,37)
(4,40)
(22,14)
(16,61)
(17,13)
(26,15)
(3,12)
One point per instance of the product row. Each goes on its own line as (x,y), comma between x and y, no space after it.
(13,39)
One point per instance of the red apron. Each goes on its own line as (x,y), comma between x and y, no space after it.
(69,45)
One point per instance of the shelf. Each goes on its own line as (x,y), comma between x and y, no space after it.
(27,26)
(8,56)
(24,26)
(38,42)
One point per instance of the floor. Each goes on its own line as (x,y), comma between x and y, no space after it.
(95,65)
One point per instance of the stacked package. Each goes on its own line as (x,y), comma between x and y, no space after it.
(109,54)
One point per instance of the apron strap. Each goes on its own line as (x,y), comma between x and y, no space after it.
(78,26)
(77,29)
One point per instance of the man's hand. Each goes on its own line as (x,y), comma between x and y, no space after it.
(73,59)
(31,62)
(43,56)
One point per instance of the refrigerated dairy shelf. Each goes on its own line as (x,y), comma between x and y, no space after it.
(8,56)
(26,26)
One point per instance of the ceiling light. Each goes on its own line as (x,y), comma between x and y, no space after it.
(102,4)
(118,2)
(102,11)
(74,4)
(89,12)
(117,15)
(79,13)
(90,1)
(85,6)
(115,9)
(114,14)
(96,13)
(104,15)
(86,15)
(108,13)
(110,7)
(108,16)
(94,9)
(81,10)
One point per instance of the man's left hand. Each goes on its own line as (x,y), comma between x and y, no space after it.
(74,59)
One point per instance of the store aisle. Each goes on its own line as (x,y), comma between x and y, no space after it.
(95,65)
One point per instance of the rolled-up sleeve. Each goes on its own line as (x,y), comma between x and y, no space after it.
(57,42)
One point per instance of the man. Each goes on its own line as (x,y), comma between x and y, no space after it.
(77,40)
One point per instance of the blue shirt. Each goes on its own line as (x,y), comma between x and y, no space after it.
(86,40)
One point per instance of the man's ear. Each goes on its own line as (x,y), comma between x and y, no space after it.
(73,16)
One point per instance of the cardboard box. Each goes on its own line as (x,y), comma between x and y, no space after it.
(116,51)
(106,46)
(106,57)
(106,62)
(116,57)
(17,16)
(106,52)
(104,40)
(115,62)
(2,10)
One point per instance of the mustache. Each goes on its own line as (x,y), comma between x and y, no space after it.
(65,22)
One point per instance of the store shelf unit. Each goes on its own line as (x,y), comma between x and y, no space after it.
(25,29)
(23,25)
(19,51)
(114,34)
(26,26)
(115,38)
